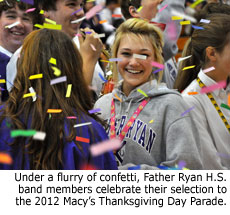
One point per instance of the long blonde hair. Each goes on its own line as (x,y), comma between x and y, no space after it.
(141,29)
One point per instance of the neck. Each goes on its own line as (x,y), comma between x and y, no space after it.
(127,88)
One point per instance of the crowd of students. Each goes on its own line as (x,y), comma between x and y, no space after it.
(159,126)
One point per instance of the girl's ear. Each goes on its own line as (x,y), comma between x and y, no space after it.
(211,54)
(46,14)
(133,12)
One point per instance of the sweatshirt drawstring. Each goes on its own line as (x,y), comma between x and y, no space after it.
(127,110)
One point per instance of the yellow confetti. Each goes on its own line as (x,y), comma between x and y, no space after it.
(139,9)
(54,27)
(42,12)
(36,76)
(187,22)
(177,17)
(2,81)
(29,95)
(39,26)
(68,92)
(53,61)
(196,3)
(142,92)
(57,71)
(54,110)
(50,21)
(151,121)
(188,67)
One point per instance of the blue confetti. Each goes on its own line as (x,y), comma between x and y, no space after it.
(134,167)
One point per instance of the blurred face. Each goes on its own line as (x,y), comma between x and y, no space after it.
(62,15)
(12,38)
(134,71)
(223,63)
(149,9)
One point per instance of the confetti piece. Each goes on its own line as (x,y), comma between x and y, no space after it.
(192,93)
(156,71)
(158,65)
(93,11)
(42,12)
(213,87)
(92,46)
(139,56)
(28,1)
(36,76)
(105,61)
(82,124)
(53,61)
(78,35)
(151,121)
(102,21)
(12,25)
(71,117)
(58,80)
(79,20)
(118,97)
(77,11)
(187,22)
(5,158)
(115,59)
(116,15)
(88,167)
(183,15)
(39,26)
(82,139)
(184,58)
(88,32)
(102,77)
(177,17)
(134,167)
(197,27)
(40,135)
(172,30)
(188,67)
(22,133)
(54,110)
(142,92)
(162,8)
(94,110)
(105,146)
(50,21)
(193,5)
(57,71)
(51,26)
(31,89)
(68,92)
(225,106)
(181,164)
(205,21)
(30,10)
(2,81)
(99,35)
(139,9)
(208,69)
(223,155)
(187,111)
(229,99)
(29,95)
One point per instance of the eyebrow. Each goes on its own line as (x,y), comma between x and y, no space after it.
(140,49)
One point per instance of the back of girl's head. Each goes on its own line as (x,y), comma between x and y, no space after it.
(215,34)
(125,4)
(38,48)
(144,31)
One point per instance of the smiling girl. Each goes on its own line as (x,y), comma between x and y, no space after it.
(149,118)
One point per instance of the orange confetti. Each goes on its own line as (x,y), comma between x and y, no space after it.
(116,16)
(192,93)
(118,97)
(82,139)
(102,21)
(54,110)
(229,99)
(5,158)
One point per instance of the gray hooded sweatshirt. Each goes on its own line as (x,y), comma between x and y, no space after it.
(170,138)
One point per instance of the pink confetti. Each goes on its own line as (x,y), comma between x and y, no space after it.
(78,35)
(213,87)
(71,117)
(30,10)
(158,65)
(93,47)
(162,8)
(171,30)
(208,69)
(100,148)
(93,11)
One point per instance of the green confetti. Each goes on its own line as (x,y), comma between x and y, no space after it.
(225,106)
(23,133)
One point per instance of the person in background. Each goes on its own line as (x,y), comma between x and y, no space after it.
(149,118)
(149,11)
(63,147)
(11,38)
(62,12)
(210,48)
